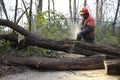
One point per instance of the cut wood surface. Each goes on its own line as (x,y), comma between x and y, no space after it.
(82,63)
(65,45)
(112,66)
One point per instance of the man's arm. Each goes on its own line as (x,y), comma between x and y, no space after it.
(87,29)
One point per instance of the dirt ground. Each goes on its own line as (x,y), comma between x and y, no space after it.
(61,75)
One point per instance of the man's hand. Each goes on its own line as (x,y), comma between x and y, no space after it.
(80,30)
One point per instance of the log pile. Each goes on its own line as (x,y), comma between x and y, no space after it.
(66,45)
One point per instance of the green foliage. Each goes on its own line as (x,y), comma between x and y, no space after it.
(103,35)
(38,52)
(54,26)
(5,48)
(118,34)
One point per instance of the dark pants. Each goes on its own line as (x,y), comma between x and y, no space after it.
(85,37)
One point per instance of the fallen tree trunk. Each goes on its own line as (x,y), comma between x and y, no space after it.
(112,67)
(13,37)
(60,45)
(82,63)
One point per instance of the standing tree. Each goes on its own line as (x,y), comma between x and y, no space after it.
(16,6)
(85,2)
(74,10)
(53,5)
(0,9)
(114,22)
(70,9)
(99,11)
(39,7)
(49,9)
(30,16)
(4,8)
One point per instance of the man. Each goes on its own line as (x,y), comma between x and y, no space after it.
(87,30)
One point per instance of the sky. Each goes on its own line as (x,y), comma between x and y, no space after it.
(60,5)
(63,7)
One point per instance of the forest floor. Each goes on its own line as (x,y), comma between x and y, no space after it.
(25,73)
(61,75)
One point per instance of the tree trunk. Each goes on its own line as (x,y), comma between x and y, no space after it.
(114,22)
(74,10)
(85,2)
(39,5)
(9,37)
(101,10)
(16,8)
(30,16)
(0,9)
(97,13)
(4,9)
(49,10)
(112,66)
(53,5)
(83,63)
(66,45)
(70,10)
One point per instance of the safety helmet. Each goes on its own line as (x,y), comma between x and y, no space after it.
(84,10)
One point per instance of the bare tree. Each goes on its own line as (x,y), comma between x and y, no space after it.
(70,9)
(99,11)
(39,5)
(74,10)
(0,9)
(16,6)
(26,11)
(116,14)
(53,5)
(49,9)
(4,8)
(85,2)
(30,15)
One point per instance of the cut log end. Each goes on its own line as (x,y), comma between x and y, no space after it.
(112,66)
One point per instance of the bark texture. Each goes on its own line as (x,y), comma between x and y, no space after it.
(112,67)
(82,63)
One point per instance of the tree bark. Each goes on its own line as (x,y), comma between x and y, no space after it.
(74,10)
(116,14)
(16,8)
(39,5)
(83,63)
(112,67)
(4,9)
(9,37)
(66,45)
(85,3)
(53,5)
(30,16)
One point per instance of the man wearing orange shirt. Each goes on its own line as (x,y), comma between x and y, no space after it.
(87,30)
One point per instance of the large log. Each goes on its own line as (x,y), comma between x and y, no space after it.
(112,66)
(82,63)
(60,45)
